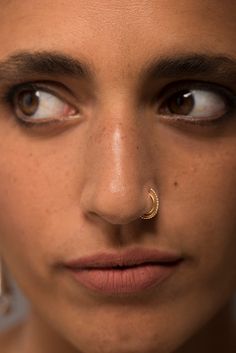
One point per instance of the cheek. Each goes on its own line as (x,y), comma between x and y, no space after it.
(204,224)
(38,177)
(40,182)
(31,201)
(36,186)
(197,207)
(23,216)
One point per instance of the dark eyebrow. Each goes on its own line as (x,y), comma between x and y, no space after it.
(175,66)
(178,66)
(48,63)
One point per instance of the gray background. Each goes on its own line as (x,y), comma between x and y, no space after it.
(20,308)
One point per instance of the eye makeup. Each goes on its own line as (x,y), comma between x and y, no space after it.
(26,94)
(222,97)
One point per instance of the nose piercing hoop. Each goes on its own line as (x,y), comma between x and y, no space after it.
(155,205)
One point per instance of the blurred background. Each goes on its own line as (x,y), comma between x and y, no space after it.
(19,307)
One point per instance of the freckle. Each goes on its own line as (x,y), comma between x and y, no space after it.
(176,183)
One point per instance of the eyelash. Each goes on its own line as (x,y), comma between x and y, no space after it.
(8,98)
(227,95)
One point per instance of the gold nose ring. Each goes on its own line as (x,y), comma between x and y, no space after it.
(155,205)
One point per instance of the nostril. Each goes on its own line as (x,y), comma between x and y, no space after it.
(116,208)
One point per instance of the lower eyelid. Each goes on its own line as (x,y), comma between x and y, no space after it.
(47,124)
(11,100)
(180,120)
(228,98)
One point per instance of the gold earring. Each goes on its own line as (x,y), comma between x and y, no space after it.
(155,205)
(5,297)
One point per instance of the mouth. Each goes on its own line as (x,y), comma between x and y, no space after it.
(127,267)
(125,273)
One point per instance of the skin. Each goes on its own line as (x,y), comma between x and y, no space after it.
(71,191)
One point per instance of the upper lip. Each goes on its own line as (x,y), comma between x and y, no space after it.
(131,257)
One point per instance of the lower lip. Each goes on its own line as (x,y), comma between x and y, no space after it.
(123,281)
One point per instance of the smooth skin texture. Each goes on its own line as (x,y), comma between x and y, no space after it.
(75,189)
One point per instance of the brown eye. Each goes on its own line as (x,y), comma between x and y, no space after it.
(195,104)
(28,102)
(181,103)
(36,105)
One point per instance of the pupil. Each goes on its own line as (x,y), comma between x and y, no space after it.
(181,103)
(28,102)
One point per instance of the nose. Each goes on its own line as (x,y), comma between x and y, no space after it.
(118,174)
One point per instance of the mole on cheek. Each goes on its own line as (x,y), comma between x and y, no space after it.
(176,183)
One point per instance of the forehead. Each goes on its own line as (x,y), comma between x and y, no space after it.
(138,28)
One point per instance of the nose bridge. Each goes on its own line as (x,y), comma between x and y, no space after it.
(116,174)
(118,149)
(120,144)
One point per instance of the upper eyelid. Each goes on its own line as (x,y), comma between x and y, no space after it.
(174,87)
(51,87)
(227,94)
(40,86)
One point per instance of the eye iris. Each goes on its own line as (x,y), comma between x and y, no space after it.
(28,102)
(181,103)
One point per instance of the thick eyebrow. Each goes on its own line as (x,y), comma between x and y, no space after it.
(49,63)
(205,65)
(176,66)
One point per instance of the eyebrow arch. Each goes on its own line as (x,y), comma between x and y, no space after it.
(193,64)
(49,63)
(175,66)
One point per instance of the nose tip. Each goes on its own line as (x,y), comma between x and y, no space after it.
(117,175)
(117,206)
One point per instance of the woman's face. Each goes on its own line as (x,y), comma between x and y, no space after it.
(78,187)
